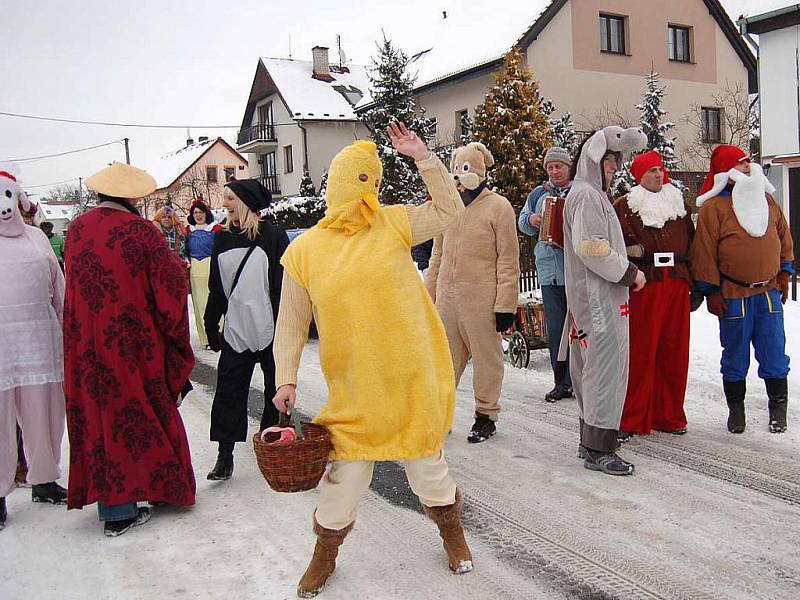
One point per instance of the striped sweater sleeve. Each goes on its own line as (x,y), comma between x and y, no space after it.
(291,331)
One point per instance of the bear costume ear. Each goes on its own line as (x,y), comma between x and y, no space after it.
(453,157)
(488,159)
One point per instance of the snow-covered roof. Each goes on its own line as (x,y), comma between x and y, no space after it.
(465,40)
(171,166)
(51,212)
(314,99)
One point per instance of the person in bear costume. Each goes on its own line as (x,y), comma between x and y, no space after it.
(474,280)
(32,369)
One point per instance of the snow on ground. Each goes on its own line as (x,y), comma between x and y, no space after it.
(707,515)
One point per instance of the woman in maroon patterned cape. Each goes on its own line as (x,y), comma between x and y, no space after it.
(127,357)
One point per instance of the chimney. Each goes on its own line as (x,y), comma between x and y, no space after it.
(189,142)
(202,139)
(322,68)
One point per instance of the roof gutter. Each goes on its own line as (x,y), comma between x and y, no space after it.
(305,145)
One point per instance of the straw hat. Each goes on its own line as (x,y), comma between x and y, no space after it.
(122,181)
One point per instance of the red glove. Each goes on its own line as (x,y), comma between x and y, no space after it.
(716,305)
(783,281)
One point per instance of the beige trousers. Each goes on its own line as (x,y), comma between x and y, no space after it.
(469,323)
(346,482)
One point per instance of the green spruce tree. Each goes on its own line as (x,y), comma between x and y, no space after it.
(511,124)
(657,133)
(307,185)
(391,88)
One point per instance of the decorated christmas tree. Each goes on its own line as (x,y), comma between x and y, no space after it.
(391,89)
(511,124)
(307,186)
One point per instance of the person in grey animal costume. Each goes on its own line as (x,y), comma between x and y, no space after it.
(597,275)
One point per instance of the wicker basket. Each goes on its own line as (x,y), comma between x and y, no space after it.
(298,466)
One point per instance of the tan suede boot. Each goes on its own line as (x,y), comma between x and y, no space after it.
(448,519)
(323,562)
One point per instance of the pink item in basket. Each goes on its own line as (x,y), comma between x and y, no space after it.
(278,436)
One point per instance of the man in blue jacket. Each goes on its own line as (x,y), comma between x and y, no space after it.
(550,263)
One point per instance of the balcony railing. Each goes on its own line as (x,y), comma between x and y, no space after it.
(271,183)
(258,132)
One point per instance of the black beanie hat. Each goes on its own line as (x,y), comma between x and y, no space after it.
(252,193)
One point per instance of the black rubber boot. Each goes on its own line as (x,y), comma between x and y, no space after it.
(734,395)
(49,492)
(778,393)
(223,469)
(3,513)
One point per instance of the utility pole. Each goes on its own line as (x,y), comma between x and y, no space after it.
(80,197)
(127,152)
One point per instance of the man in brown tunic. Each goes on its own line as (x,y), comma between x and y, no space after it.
(741,260)
(658,230)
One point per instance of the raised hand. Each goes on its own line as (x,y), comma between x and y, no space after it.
(407,142)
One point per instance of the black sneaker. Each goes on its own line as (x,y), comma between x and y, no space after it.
(607,462)
(223,469)
(559,392)
(117,528)
(482,429)
(49,492)
(3,513)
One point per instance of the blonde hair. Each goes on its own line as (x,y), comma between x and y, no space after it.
(249,221)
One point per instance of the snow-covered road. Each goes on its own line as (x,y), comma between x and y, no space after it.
(707,515)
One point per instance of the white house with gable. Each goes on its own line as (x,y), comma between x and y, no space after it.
(299,115)
(779,85)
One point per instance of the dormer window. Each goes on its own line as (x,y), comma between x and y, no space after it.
(352,94)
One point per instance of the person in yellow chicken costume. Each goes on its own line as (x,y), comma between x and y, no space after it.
(382,345)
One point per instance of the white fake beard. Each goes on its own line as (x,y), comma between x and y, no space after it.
(750,203)
(656,208)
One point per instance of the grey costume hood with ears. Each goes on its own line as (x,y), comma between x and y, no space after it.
(611,139)
(11,198)
(597,274)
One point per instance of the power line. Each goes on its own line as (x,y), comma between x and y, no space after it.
(30,187)
(61,153)
(139,125)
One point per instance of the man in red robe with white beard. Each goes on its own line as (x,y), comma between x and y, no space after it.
(658,231)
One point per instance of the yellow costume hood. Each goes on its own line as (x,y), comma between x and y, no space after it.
(354,179)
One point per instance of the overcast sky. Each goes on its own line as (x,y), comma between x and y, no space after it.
(173,62)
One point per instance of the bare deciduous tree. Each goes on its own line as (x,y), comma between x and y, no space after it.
(609,115)
(739,123)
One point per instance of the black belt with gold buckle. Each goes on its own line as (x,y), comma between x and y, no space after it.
(745,284)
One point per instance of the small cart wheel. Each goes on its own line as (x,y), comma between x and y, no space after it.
(518,352)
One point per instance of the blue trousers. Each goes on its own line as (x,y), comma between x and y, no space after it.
(757,320)
(117,512)
(554,298)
